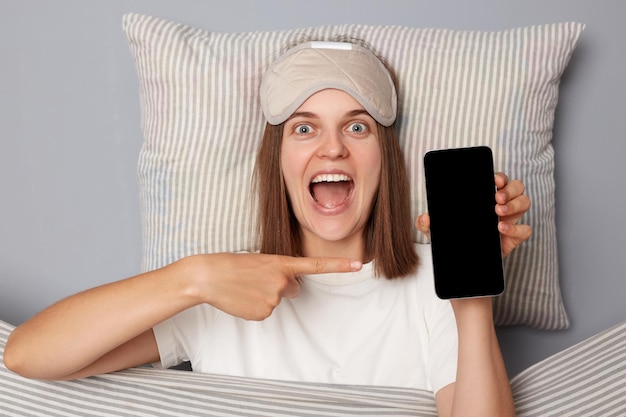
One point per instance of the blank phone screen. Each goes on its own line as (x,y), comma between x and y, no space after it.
(465,242)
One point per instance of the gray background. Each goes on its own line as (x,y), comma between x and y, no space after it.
(70,138)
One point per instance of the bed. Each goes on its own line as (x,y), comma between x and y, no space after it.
(588,379)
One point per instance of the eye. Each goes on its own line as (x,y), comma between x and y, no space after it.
(303,129)
(357,127)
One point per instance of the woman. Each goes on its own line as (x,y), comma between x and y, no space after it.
(339,293)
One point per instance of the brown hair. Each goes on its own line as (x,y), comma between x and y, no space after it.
(388,239)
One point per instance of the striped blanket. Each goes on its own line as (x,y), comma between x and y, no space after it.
(588,379)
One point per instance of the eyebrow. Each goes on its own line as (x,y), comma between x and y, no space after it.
(302,114)
(307,114)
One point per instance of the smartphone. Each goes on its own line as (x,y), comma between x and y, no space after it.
(465,242)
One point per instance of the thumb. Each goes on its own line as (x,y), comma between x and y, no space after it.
(322,265)
(422,224)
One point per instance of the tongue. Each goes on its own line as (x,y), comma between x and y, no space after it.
(330,194)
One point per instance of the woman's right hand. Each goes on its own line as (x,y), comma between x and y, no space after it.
(251,285)
(108,328)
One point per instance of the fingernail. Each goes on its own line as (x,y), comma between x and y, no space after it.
(356,265)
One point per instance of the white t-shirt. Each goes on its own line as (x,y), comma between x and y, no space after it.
(346,328)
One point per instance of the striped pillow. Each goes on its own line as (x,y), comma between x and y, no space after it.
(202,122)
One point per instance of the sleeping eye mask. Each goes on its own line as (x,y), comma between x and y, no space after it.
(315,66)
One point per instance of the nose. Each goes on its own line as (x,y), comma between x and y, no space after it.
(332,146)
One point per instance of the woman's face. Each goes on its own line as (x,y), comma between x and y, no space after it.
(331,162)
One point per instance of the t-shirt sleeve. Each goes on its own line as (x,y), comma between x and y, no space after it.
(443,347)
(441,363)
(171,351)
(179,336)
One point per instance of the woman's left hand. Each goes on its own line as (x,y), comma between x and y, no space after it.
(511,204)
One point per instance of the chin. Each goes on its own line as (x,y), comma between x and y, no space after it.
(336,230)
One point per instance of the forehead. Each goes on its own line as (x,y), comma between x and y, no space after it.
(330,103)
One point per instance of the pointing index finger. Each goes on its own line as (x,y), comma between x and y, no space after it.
(323,265)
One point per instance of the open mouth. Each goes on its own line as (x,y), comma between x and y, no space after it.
(331,190)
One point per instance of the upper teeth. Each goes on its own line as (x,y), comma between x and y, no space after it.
(331,178)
